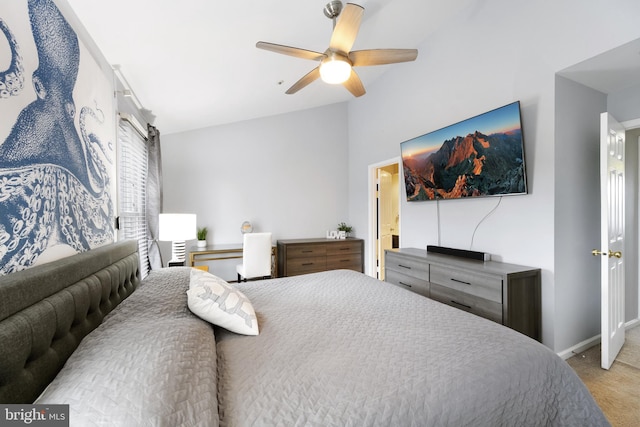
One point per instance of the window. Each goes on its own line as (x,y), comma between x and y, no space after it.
(132,170)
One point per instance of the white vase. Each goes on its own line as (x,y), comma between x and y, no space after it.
(202,243)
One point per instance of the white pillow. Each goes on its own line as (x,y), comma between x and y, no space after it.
(214,300)
(197,275)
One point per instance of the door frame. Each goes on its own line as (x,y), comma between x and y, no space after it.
(633,125)
(373,220)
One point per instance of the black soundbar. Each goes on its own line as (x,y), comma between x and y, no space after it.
(462,253)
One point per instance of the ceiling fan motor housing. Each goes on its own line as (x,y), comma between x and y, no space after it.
(333,9)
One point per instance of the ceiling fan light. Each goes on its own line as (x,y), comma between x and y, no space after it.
(335,71)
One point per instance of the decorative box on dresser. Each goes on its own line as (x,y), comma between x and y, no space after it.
(505,293)
(302,256)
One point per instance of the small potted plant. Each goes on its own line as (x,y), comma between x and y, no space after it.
(202,237)
(343,227)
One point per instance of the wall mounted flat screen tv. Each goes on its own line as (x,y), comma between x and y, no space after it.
(478,157)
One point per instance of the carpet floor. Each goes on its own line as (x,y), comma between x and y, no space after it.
(617,390)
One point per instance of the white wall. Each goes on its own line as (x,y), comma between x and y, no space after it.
(497,53)
(286,174)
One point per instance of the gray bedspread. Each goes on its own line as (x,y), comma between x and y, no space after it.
(335,349)
(342,349)
(150,363)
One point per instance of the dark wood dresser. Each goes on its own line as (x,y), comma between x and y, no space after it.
(302,256)
(505,293)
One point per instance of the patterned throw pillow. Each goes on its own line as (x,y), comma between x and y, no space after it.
(216,301)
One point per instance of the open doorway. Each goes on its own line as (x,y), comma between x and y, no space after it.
(385,213)
(606,82)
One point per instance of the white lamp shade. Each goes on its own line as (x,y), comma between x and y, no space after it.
(335,71)
(177,227)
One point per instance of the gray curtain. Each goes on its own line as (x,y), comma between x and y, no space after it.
(154,196)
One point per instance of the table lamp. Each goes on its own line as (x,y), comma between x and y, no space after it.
(177,228)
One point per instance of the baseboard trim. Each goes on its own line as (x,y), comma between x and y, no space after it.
(580,347)
(591,342)
(632,323)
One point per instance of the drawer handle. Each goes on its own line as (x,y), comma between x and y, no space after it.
(307,252)
(404,266)
(460,281)
(344,249)
(307,263)
(468,307)
(405,284)
(345,260)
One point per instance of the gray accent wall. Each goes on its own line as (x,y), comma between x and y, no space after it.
(577,211)
(624,104)
(286,174)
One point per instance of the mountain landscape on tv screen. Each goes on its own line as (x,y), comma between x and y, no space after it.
(471,166)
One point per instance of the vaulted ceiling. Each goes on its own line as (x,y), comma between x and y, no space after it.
(194,63)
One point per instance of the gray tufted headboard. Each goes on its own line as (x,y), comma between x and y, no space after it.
(45,311)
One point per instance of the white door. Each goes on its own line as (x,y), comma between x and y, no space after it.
(612,236)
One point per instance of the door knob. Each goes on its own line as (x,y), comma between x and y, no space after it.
(611,254)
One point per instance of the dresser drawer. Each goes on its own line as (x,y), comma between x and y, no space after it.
(473,283)
(306,251)
(301,256)
(406,265)
(472,304)
(350,261)
(298,266)
(411,283)
(506,293)
(343,248)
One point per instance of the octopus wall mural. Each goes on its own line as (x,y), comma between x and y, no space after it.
(56,159)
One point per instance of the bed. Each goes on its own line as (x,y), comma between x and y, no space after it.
(335,348)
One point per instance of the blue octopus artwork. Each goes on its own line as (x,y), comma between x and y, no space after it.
(54,185)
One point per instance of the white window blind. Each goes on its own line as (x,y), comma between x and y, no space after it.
(132,196)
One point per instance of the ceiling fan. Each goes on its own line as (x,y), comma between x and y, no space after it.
(337,62)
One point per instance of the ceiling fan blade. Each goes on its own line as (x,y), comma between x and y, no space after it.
(291,51)
(346,29)
(308,78)
(354,84)
(361,58)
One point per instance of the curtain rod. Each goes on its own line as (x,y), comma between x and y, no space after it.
(135,124)
(127,91)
